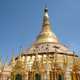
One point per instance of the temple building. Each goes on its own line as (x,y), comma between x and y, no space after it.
(46,59)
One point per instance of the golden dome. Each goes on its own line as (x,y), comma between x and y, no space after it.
(46,34)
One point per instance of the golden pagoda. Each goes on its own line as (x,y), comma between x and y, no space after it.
(46,59)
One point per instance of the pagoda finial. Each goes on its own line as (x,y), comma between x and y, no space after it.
(46,9)
(46,34)
(46,17)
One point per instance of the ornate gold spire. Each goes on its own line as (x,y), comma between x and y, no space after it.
(0,63)
(46,35)
(13,60)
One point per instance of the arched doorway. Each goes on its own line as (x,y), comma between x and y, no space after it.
(37,76)
(60,77)
(18,77)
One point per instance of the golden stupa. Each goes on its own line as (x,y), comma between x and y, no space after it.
(46,59)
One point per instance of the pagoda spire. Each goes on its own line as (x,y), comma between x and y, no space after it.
(13,59)
(46,23)
(1,63)
(46,34)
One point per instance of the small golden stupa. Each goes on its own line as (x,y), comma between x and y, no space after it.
(46,59)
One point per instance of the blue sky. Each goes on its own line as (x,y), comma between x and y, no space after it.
(21,20)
